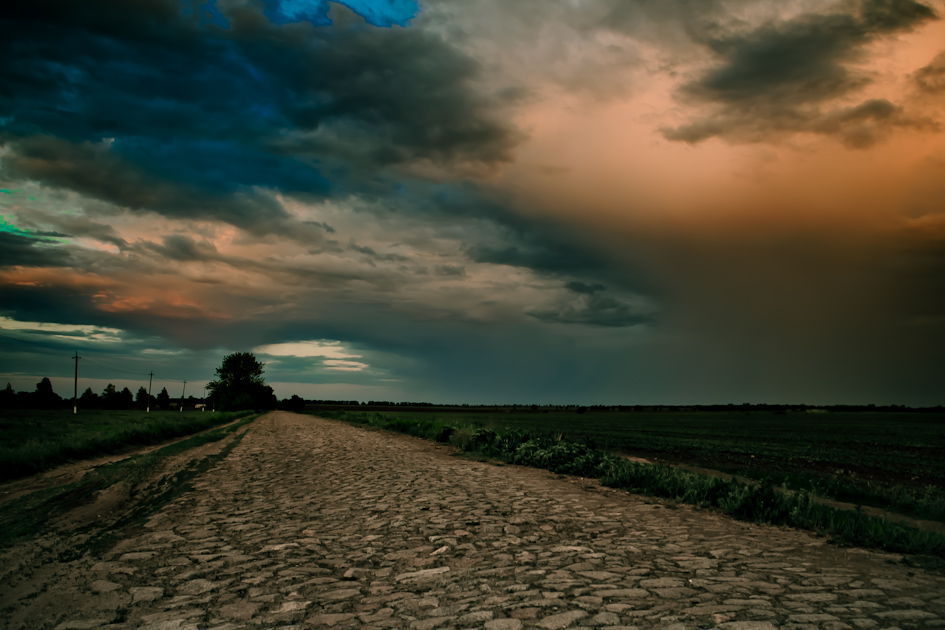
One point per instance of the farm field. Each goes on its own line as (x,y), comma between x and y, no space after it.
(889,460)
(32,441)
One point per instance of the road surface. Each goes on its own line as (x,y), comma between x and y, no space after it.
(315,523)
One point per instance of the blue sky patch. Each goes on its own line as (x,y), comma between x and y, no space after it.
(375,12)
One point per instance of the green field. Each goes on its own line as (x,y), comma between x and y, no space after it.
(32,441)
(892,460)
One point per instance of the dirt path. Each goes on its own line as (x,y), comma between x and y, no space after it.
(314,523)
(67,473)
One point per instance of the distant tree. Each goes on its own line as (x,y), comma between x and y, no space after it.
(45,397)
(125,399)
(296,404)
(110,397)
(89,399)
(141,398)
(25,400)
(163,399)
(7,398)
(240,384)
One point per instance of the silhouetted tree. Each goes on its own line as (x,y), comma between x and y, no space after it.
(89,399)
(45,397)
(125,399)
(141,398)
(296,404)
(240,384)
(7,397)
(110,397)
(163,399)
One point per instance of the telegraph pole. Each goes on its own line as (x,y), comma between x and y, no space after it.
(182,396)
(150,379)
(75,387)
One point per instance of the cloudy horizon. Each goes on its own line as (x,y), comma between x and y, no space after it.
(564,201)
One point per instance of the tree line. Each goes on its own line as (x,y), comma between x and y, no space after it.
(43,397)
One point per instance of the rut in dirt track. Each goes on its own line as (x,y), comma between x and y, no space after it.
(314,523)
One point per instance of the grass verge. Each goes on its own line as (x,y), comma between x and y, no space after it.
(760,503)
(35,441)
(893,461)
(29,515)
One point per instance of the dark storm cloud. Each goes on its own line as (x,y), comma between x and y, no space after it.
(457,271)
(777,78)
(141,106)
(61,304)
(95,170)
(541,245)
(550,254)
(931,78)
(587,289)
(181,247)
(24,251)
(587,305)
(80,226)
(374,256)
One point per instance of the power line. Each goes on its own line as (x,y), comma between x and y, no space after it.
(102,364)
(30,346)
(6,340)
(24,345)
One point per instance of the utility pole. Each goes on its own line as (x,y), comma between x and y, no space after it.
(182,396)
(75,387)
(150,379)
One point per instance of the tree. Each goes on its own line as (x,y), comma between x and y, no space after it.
(141,398)
(296,404)
(88,399)
(163,399)
(240,384)
(45,397)
(110,397)
(7,397)
(125,399)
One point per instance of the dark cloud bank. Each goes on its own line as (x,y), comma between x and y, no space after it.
(780,78)
(138,105)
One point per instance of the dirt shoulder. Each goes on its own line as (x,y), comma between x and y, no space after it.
(68,473)
(95,516)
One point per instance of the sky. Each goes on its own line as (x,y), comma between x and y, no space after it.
(539,201)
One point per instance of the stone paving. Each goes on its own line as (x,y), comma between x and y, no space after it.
(314,523)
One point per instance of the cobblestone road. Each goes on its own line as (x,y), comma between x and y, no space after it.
(313,523)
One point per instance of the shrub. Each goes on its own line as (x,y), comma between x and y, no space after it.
(442,433)
(461,438)
(483,441)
